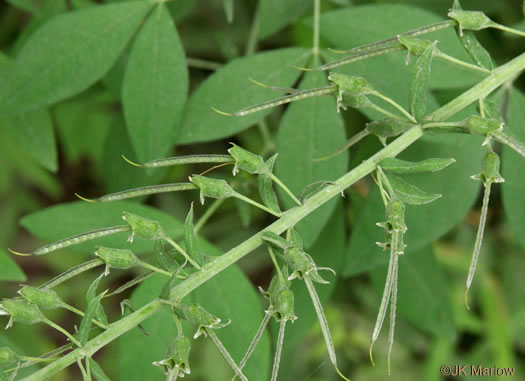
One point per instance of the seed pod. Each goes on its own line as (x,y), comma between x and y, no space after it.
(7,356)
(212,188)
(470,20)
(143,227)
(197,315)
(179,352)
(387,128)
(414,46)
(303,265)
(477,125)
(247,161)
(22,312)
(284,305)
(490,169)
(350,84)
(354,101)
(44,299)
(121,259)
(395,215)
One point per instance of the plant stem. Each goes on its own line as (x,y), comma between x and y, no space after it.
(181,250)
(317,22)
(508,30)
(256,204)
(285,188)
(255,340)
(59,328)
(251,46)
(464,64)
(279,347)
(151,267)
(349,143)
(396,105)
(276,264)
(287,220)
(202,64)
(510,141)
(207,214)
(226,354)
(80,313)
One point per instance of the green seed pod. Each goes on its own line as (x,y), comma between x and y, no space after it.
(350,84)
(45,299)
(277,285)
(247,161)
(7,356)
(477,125)
(22,312)
(212,188)
(284,305)
(414,46)
(179,353)
(143,227)
(470,20)
(490,169)
(198,316)
(354,101)
(387,128)
(121,259)
(395,215)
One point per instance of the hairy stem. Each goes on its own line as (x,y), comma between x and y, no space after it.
(288,219)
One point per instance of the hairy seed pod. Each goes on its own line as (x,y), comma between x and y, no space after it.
(477,125)
(395,215)
(470,20)
(415,46)
(44,299)
(121,259)
(22,312)
(284,305)
(247,161)
(143,227)
(179,353)
(7,356)
(350,84)
(212,188)
(490,169)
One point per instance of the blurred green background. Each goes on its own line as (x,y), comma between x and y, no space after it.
(77,148)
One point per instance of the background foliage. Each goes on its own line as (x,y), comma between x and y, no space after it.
(135,86)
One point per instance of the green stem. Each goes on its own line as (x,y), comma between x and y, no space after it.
(256,204)
(276,264)
(510,141)
(287,220)
(226,354)
(349,143)
(317,22)
(181,250)
(285,188)
(464,64)
(395,105)
(155,268)
(444,124)
(59,328)
(202,64)
(207,214)
(38,359)
(251,46)
(80,313)
(508,30)
(255,340)
(381,110)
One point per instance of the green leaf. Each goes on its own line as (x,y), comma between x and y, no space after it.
(422,296)
(471,44)
(266,191)
(327,251)
(410,194)
(276,14)
(68,54)
(78,217)
(26,5)
(32,131)
(513,167)
(357,25)
(117,173)
(309,129)
(155,86)
(408,167)
(97,371)
(229,89)
(425,223)
(85,324)
(417,96)
(9,270)
(91,294)
(190,239)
